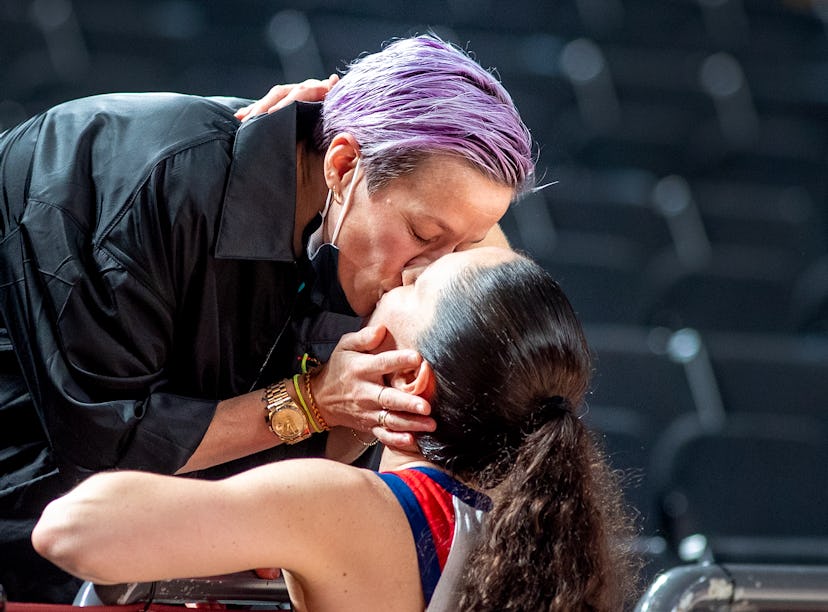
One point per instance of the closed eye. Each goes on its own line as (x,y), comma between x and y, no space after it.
(419,238)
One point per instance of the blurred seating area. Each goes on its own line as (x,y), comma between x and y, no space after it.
(682,149)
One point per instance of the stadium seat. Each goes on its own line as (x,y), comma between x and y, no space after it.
(751,491)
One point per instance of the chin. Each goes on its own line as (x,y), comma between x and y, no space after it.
(362,307)
(366,312)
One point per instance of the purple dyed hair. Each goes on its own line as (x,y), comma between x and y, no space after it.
(421,96)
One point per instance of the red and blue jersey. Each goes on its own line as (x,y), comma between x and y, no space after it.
(432,501)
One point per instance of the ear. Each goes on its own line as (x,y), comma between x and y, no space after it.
(419,381)
(340,160)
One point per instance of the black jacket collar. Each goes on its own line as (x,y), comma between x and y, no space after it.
(259,207)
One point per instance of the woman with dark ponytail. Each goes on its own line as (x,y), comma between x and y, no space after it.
(554,538)
(509,506)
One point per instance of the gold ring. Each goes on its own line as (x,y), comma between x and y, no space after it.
(381,418)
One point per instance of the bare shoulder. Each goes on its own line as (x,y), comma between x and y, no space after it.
(338,503)
(359,531)
(318,477)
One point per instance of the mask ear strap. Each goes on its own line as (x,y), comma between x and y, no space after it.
(327,203)
(346,204)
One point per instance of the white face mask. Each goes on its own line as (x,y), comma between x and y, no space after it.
(315,241)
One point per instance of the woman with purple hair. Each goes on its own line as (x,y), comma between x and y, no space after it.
(166,272)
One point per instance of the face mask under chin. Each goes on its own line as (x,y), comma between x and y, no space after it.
(326,291)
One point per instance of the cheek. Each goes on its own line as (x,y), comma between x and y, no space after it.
(391,313)
(410,332)
(388,255)
(401,329)
(377,246)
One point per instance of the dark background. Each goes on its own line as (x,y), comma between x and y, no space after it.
(685,141)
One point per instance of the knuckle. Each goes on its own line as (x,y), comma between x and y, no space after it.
(386,361)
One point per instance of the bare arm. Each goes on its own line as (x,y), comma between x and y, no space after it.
(310,516)
(238,429)
(346,391)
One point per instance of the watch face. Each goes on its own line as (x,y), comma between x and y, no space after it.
(288,423)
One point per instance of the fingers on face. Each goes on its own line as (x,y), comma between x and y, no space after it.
(401,440)
(366,339)
(389,362)
(399,401)
(402,421)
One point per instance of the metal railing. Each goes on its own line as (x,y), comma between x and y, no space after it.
(243,588)
(736,587)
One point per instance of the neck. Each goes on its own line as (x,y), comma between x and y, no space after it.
(310,191)
(394,459)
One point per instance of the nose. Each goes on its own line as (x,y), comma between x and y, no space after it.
(412,273)
(445,249)
(429,256)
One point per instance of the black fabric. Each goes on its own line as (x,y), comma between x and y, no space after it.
(28,481)
(146,273)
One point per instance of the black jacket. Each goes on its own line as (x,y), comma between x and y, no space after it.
(146,268)
(146,273)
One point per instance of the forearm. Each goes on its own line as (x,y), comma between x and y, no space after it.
(345,391)
(129,526)
(238,429)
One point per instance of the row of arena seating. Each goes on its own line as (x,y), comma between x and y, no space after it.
(630,248)
(723,440)
(690,233)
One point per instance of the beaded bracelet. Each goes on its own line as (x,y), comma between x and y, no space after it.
(314,409)
(314,363)
(363,442)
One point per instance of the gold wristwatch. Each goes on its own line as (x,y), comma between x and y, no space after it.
(284,418)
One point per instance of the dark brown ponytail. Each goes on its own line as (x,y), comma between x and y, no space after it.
(556,537)
(512,367)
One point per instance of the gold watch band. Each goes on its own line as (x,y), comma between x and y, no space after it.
(283,417)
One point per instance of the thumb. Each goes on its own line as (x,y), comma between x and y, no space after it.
(366,339)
